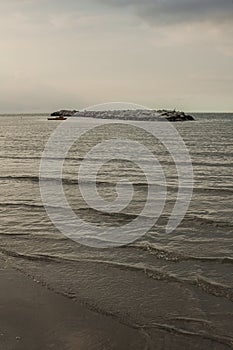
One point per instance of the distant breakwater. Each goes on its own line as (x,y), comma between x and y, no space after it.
(140,115)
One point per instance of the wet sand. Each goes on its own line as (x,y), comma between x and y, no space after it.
(35,318)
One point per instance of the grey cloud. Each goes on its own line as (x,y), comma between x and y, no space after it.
(175,11)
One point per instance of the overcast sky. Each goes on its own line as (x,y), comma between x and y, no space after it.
(159,53)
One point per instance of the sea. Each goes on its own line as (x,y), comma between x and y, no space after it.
(175,288)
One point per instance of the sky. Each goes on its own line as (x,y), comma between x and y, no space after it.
(158,53)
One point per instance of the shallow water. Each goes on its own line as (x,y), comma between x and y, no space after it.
(172,286)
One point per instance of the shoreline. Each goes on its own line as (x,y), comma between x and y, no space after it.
(33,317)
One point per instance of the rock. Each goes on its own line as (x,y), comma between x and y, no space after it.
(175,116)
(143,115)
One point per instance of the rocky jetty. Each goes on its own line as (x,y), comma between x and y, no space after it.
(64,113)
(175,116)
(139,115)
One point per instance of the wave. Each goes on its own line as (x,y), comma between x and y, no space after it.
(14,234)
(40,157)
(216,289)
(175,256)
(27,178)
(66,181)
(213,190)
(59,259)
(207,286)
(83,209)
(30,257)
(20,204)
(194,334)
(19,157)
(214,164)
(201,220)
(164,162)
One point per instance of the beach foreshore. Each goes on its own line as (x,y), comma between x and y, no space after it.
(35,318)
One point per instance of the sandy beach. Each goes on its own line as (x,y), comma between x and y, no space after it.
(35,318)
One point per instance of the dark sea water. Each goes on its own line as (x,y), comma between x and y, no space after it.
(176,289)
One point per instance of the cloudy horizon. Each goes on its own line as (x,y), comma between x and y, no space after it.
(157,53)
